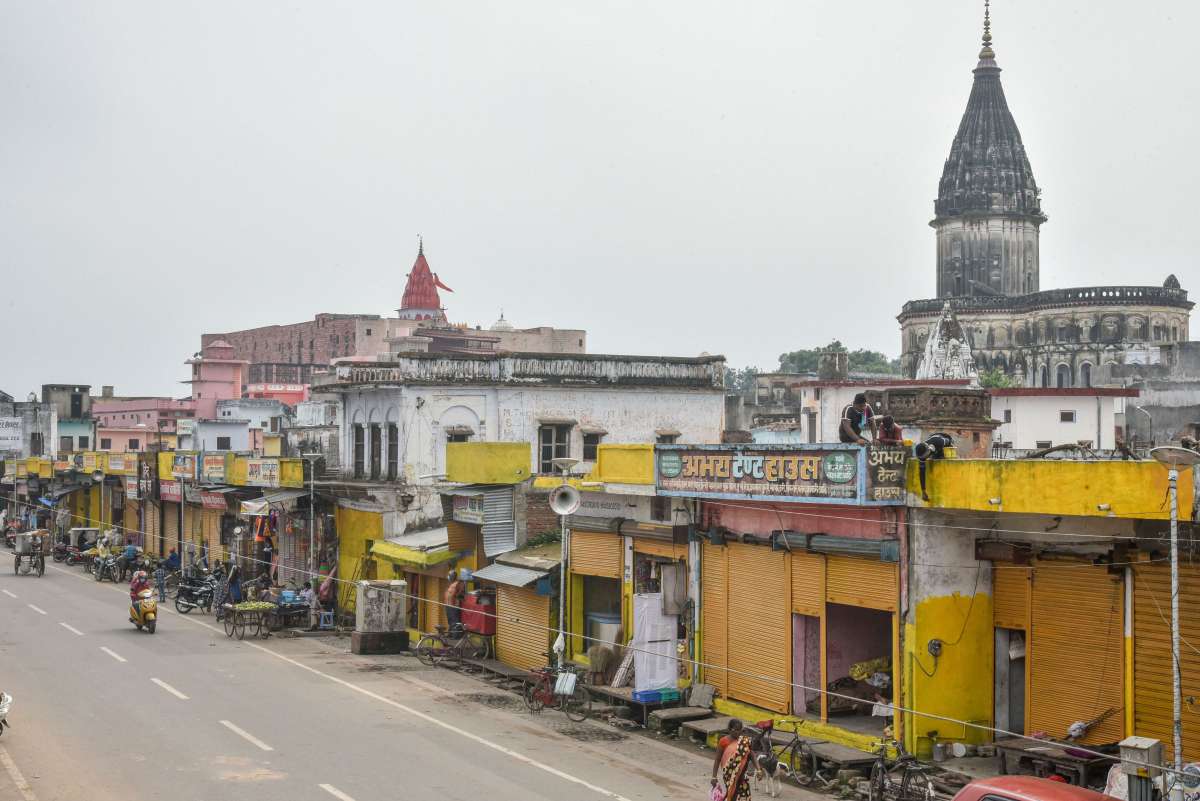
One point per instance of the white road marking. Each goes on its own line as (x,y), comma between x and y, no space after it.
(13,773)
(113,654)
(335,792)
(170,689)
(430,719)
(70,628)
(247,736)
(34,608)
(9,594)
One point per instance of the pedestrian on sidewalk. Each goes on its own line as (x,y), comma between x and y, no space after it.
(160,581)
(734,780)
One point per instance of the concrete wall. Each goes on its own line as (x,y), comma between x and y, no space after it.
(1036,418)
(36,418)
(258,411)
(207,432)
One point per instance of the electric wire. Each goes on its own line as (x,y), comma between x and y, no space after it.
(694,663)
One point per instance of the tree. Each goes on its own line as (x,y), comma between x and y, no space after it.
(860,361)
(996,378)
(741,381)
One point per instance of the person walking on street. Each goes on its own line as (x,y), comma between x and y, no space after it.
(160,582)
(453,600)
(734,766)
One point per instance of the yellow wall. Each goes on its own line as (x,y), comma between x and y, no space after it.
(624,464)
(1034,486)
(488,462)
(961,684)
(354,528)
(272,445)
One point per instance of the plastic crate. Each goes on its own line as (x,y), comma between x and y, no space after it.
(648,696)
(669,695)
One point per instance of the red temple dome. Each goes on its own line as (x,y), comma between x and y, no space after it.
(421,300)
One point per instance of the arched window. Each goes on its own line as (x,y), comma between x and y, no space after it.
(1045,376)
(1062,377)
(1085,375)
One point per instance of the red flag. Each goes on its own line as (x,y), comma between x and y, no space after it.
(437,282)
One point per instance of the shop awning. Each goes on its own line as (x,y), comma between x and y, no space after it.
(507,574)
(465,491)
(262,506)
(421,549)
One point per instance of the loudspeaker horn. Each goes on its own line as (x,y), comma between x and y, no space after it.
(564,500)
(97,476)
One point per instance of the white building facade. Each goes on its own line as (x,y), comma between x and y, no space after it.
(1035,418)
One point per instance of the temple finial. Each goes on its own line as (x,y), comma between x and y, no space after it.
(420,245)
(986,51)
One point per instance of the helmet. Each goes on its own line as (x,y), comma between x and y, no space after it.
(140,575)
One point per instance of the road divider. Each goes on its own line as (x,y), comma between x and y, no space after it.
(335,792)
(14,773)
(113,654)
(9,594)
(36,609)
(170,689)
(247,736)
(70,628)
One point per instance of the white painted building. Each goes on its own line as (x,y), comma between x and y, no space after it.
(398,417)
(264,414)
(1036,418)
(222,434)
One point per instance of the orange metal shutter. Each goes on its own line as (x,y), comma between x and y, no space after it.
(808,583)
(595,554)
(714,617)
(522,627)
(857,581)
(666,550)
(1010,595)
(1153,713)
(760,627)
(1076,651)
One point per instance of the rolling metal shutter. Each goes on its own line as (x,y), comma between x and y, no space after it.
(499,532)
(522,623)
(808,583)
(868,583)
(760,644)
(666,550)
(1010,595)
(153,528)
(714,616)
(432,590)
(170,527)
(1076,651)
(1152,710)
(596,554)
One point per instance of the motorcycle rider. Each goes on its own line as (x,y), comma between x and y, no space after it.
(173,560)
(140,582)
(128,558)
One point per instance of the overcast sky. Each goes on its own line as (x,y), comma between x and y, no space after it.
(737,178)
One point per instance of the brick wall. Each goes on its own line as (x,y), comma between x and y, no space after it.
(272,349)
(539,517)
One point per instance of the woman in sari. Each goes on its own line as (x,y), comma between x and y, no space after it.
(735,769)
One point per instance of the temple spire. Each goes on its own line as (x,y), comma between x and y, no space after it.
(986,52)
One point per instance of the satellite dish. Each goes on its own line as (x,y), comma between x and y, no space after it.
(564,463)
(98,476)
(564,500)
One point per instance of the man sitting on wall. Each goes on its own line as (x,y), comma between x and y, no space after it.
(889,432)
(855,417)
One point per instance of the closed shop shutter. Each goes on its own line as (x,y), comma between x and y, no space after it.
(153,528)
(432,590)
(595,554)
(1152,709)
(170,525)
(1076,650)
(868,583)
(808,583)
(666,550)
(714,617)
(522,623)
(462,536)
(130,522)
(1010,595)
(760,644)
(499,530)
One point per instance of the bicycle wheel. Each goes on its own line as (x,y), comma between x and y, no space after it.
(426,649)
(534,694)
(476,647)
(16,565)
(916,786)
(578,705)
(229,625)
(41,566)
(879,782)
(239,626)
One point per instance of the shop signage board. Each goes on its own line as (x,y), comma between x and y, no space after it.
(183,465)
(12,433)
(117,463)
(212,500)
(131,489)
(171,491)
(469,509)
(818,473)
(89,462)
(262,472)
(213,468)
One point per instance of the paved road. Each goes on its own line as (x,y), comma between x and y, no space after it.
(106,713)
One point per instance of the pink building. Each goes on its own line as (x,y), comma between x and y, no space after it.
(290,394)
(156,414)
(216,375)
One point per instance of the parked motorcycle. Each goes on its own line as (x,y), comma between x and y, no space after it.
(74,556)
(144,611)
(5,705)
(106,568)
(195,593)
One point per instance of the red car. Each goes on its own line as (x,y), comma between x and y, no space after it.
(1026,788)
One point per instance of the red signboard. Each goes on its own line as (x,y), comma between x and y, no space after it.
(170,491)
(212,500)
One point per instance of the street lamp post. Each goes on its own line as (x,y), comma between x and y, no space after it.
(1175,459)
(311,457)
(563,463)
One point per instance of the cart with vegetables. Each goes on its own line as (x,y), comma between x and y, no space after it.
(257,617)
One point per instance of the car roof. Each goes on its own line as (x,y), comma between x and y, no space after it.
(1031,788)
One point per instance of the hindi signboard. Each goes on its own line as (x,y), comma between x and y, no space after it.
(262,472)
(469,508)
(170,491)
(183,465)
(212,468)
(12,433)
(834,473)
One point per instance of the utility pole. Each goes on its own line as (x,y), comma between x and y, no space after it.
(1175,458)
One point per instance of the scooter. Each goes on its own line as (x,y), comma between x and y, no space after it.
(144,611)
(5,705)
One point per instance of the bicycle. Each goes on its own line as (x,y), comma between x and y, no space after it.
(915,784)
(456,645)
(561,688)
